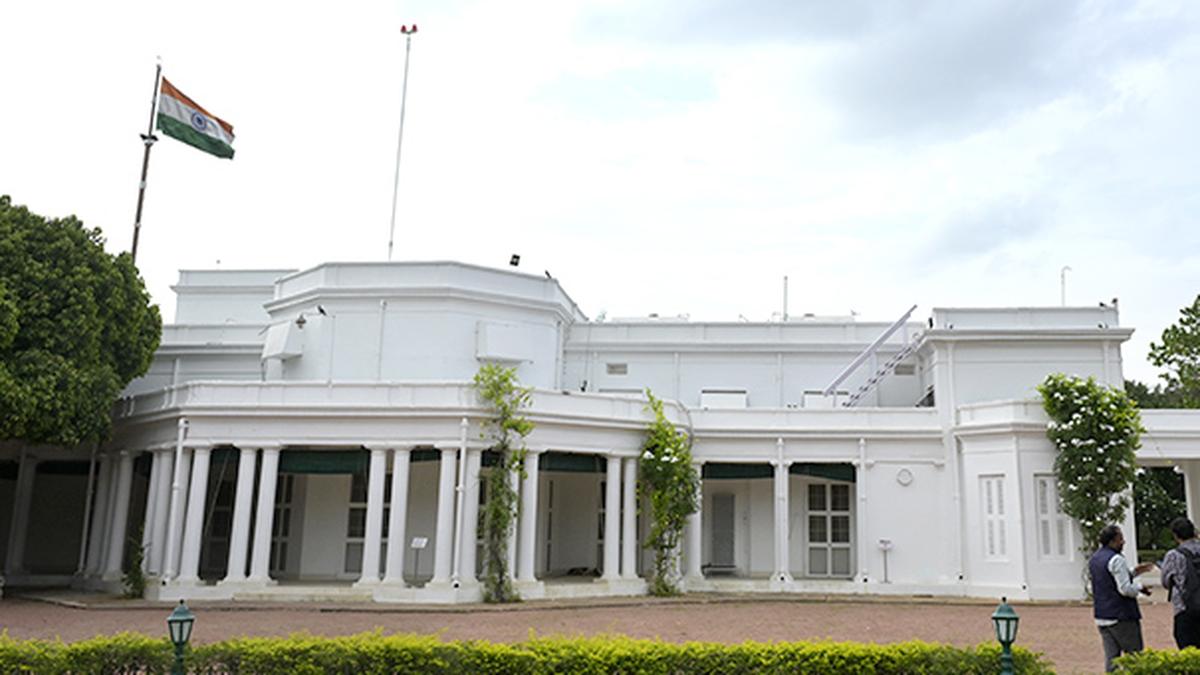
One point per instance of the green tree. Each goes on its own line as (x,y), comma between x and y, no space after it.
(506,430)
(1179,354)
(1097,430)
(1157,397)
(670,482)
(76,325)
(1158,498)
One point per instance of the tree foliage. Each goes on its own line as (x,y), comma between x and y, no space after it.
(1097,430)
(1159,396)
(670,482)
(1179,354)
(1158,498)
(76,325)
(507,429)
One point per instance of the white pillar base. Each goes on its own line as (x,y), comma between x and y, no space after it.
(619,586)
(529,590)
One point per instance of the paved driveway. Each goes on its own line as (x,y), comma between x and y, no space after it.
(1064,632)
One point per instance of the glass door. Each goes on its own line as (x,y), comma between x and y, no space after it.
(829,536)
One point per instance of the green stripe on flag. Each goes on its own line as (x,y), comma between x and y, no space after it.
(184,132)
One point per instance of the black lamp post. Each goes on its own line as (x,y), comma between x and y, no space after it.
(179,626)
(1005,620)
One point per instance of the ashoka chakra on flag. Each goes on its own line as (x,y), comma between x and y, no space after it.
(182,119)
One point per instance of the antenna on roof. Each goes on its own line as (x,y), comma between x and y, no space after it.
(785,302)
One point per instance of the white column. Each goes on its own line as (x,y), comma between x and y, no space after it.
(612,519)
(19,529)
(152,506)
(781,523)
(110,507)
(398,518)
(1190,469)
(239,533)
(373,537)
(470,521)
(193,526)
(514,484)
(120,518)
(260,562)
(162,496)
(95,562)
(443,545)
(860,513)
(183,471)
(694,533)
(629,520)
(527,556)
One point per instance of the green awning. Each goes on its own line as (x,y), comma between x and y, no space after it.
(572,462)
(840,471)
(843,472)
(63,468)
(324,461)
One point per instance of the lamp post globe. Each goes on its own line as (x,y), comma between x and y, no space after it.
(179,628)
(1005,621)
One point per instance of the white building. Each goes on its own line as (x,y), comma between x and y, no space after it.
(303,434)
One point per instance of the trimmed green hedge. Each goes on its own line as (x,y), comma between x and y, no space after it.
(1161,661)
(376,654)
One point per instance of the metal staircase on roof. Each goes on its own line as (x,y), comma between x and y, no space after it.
(885,370)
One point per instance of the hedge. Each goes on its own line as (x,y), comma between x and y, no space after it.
(376,654)
(1156,661)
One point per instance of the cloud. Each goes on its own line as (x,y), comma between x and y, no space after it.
(982,229)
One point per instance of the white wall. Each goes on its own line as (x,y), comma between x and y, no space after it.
(326,510)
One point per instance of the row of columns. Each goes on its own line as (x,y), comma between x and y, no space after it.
(176,499)
(177,496)
(459,534)
(172,544)
(109,517)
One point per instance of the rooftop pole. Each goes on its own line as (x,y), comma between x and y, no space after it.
(408,33)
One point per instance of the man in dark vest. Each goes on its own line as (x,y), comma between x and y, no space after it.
(1114,596)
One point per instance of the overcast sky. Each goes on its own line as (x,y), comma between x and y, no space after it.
(670,157)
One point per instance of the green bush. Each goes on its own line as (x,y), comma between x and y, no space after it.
(1155,661)
(121,653)
(377,654)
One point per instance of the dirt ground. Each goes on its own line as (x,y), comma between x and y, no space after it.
(1065,633)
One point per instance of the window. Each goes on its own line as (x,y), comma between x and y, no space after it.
(600,526)
(281,525)
(995,546)
(1053,529)
(356,522)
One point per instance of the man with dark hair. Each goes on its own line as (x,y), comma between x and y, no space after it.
(1176,566)
(1114,596)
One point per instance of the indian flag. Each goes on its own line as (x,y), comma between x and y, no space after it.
(180,118)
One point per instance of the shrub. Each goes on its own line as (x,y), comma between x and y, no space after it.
(1156,661)
(377,654)
(117,654)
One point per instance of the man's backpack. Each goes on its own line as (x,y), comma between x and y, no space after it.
(1190,588)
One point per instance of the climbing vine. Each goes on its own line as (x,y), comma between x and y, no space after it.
(134,578)
(669,481)
(506,430)
(1096,430)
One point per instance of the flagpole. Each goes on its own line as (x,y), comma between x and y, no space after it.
(408,33)
(148,139)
